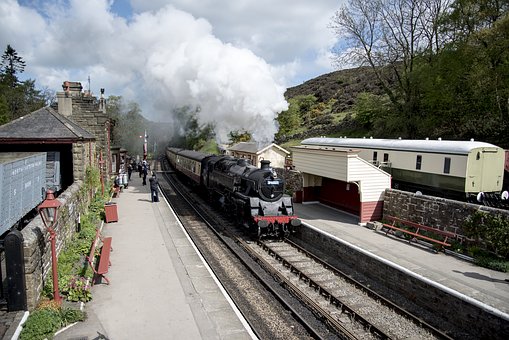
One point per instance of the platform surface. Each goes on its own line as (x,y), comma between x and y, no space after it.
(159,286)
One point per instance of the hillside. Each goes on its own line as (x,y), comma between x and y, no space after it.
(333,97)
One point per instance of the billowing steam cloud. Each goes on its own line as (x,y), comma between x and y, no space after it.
(232,87)
(163,60)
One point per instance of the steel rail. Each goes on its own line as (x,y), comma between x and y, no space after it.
(333,300)
(265,281)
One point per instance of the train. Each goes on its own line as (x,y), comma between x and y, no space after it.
(253,196)
(462,170)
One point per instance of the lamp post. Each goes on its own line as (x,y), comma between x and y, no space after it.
(101,164)
(48,210)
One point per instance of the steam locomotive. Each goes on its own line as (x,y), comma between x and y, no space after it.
(254,196)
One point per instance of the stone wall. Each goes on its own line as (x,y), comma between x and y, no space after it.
(293,179)
(83,154)
(37,248)
(86,113)
(432,211)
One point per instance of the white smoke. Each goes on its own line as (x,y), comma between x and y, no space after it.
(163,60)
(234,89)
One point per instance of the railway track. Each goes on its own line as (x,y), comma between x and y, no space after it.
(267,309)
(344,303)
(315,300)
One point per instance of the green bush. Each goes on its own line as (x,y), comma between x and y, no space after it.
(79,289)
(43,323)
(491,233)
(490,230)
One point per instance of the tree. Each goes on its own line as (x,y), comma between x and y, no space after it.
(391,36)
(17,98)
(11,65)
(239,136)
(465,90)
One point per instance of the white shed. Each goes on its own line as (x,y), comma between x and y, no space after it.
(256,152)
(340,178)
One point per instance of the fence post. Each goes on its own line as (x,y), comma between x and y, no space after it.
(15,269)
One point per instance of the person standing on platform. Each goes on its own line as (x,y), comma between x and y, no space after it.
(154,190)
(140,169)
(145,172)
(129,171)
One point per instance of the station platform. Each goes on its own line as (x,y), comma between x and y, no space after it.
(160,287)
(488,287)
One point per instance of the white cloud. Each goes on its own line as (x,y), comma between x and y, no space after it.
(233,59)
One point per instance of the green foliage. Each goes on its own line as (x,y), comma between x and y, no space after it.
(290,119)
(73,268)
(43,323)
(372,111)
(16,98)
(490,230)
(92,178)
(11,64)
(239,136)
(210,147)
(79,289)
(454,86)
(4,110)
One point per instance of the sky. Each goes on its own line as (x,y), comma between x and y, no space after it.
(233,60)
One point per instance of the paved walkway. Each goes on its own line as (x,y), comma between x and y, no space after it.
(160,287)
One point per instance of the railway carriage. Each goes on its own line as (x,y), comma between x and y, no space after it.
(454,169)
(254,196)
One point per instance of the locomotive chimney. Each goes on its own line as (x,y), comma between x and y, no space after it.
(265,164)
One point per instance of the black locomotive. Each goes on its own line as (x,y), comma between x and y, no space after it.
(254,196)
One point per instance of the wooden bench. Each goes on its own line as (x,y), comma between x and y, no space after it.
(418,228)
(101,268)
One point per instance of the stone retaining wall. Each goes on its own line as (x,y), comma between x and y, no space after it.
(432,211)
(293,179)
(421,296)
(37,248)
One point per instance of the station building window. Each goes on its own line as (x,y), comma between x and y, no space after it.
(375,157)
(447,165)
(418,162)
(386,157)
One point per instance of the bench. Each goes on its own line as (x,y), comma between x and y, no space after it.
(101,268)
(418,228)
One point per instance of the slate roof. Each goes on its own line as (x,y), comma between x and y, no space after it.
(254,148)
(43,126)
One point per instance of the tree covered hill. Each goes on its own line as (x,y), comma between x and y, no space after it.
(448,79)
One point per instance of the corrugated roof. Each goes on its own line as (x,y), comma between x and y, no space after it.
(43,124)
(438,146)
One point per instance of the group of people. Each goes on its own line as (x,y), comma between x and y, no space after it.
(143,168)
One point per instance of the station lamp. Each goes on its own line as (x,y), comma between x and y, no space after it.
(48,210)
